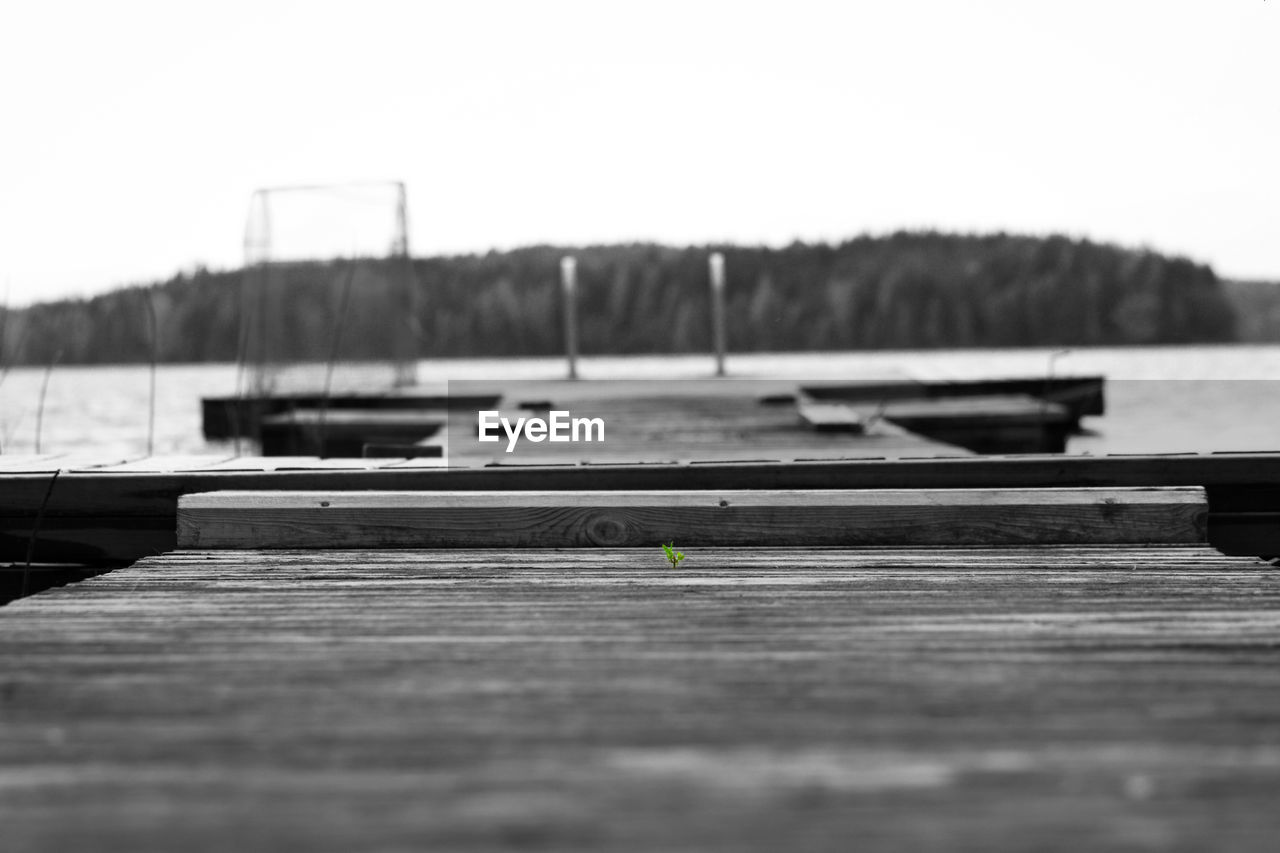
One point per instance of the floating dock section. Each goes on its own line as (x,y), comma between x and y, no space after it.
(988,416)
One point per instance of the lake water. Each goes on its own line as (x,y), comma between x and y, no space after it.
(1159,399)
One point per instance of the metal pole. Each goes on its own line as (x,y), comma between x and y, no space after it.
(406,339)
(717,309)
(261,381)
(569,285)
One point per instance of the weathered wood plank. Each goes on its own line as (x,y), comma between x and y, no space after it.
(975,410)
(761,699)
(830,417)
(569,565)
(747,517)
(165,464)
(1240,480)
(1236,483)
(1082,395)
(228,417)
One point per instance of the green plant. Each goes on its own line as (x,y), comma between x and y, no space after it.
(673,556)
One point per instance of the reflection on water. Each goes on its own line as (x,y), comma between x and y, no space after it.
(1159,399)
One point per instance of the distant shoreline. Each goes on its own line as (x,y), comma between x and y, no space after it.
(909,290)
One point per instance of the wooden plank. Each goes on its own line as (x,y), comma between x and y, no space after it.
(294,463)
(227,417)
(1235,483)
(165,464)
(975,409)
(31,463)
(344,432)
(1246,479)
(830,417)
(1081,395)
(416,450)
(429,452)
(427,419)
(755,700)
(984,424)
(749,517)
(48,463)
(568,565)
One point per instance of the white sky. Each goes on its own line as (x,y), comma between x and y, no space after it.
(133,132)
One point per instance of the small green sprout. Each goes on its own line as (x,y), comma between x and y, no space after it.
(673,556)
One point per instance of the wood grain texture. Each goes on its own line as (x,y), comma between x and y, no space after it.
(936,699)
(252,519)
(1243,489)
(1238,482)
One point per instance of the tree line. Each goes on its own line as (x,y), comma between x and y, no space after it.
(1257,309)
(904,290)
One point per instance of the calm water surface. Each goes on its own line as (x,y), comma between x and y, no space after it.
(1159,399)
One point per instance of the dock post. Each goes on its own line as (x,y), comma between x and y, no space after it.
(569,284)
(717,309)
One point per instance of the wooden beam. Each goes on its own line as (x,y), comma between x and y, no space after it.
(344,432)
(830,417)
(1239,482)
(415,450)
(228,417)
(729,518)
(1081,395)
(1243,484)
(986,424)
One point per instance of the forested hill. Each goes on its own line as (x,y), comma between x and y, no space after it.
(902,290)
(1257,308)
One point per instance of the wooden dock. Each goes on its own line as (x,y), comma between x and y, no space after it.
(723,517)
(1048,698)
(877,640)
(669,421)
